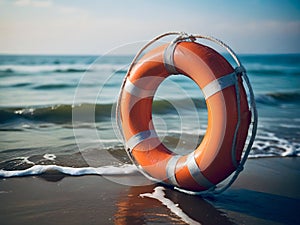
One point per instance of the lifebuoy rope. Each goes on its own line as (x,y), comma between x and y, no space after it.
(211,88)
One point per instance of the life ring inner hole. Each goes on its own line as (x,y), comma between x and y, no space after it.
(179,114)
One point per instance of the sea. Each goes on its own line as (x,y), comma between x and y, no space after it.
(58,112)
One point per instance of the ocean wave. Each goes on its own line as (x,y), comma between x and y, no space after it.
(266,145)
(54,114)
(63,113)
(71,171)
(72,70)
(10,70)
(53,86)
(120,68)
(285,96)
(18,85)
(169,106)
(274,71)
(32,69)
(274,98)
(272,64)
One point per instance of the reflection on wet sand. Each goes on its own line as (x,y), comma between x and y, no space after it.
(137,209)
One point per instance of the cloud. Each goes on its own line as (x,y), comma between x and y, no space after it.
(34,3)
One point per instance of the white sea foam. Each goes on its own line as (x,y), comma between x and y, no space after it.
(296,126)
(159,194)
(50,157)
(43,68)
(25,160)
(103,171)
(267,144)
(61,68)
(24,111)
(197,131)
(26,126)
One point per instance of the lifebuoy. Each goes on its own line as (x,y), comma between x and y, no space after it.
(219,153)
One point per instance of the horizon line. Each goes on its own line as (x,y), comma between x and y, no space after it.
(125,54)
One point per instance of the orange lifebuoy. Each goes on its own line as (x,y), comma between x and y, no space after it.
(219,153)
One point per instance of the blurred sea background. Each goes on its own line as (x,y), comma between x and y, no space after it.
(38,94)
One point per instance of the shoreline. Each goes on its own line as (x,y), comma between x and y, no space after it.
(266,192)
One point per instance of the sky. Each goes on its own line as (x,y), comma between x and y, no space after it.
(97,26)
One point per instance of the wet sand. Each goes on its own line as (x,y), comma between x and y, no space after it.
(266,192)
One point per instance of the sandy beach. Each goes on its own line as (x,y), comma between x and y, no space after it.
(267,192)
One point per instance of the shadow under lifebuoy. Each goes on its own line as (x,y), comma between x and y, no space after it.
(134,209)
